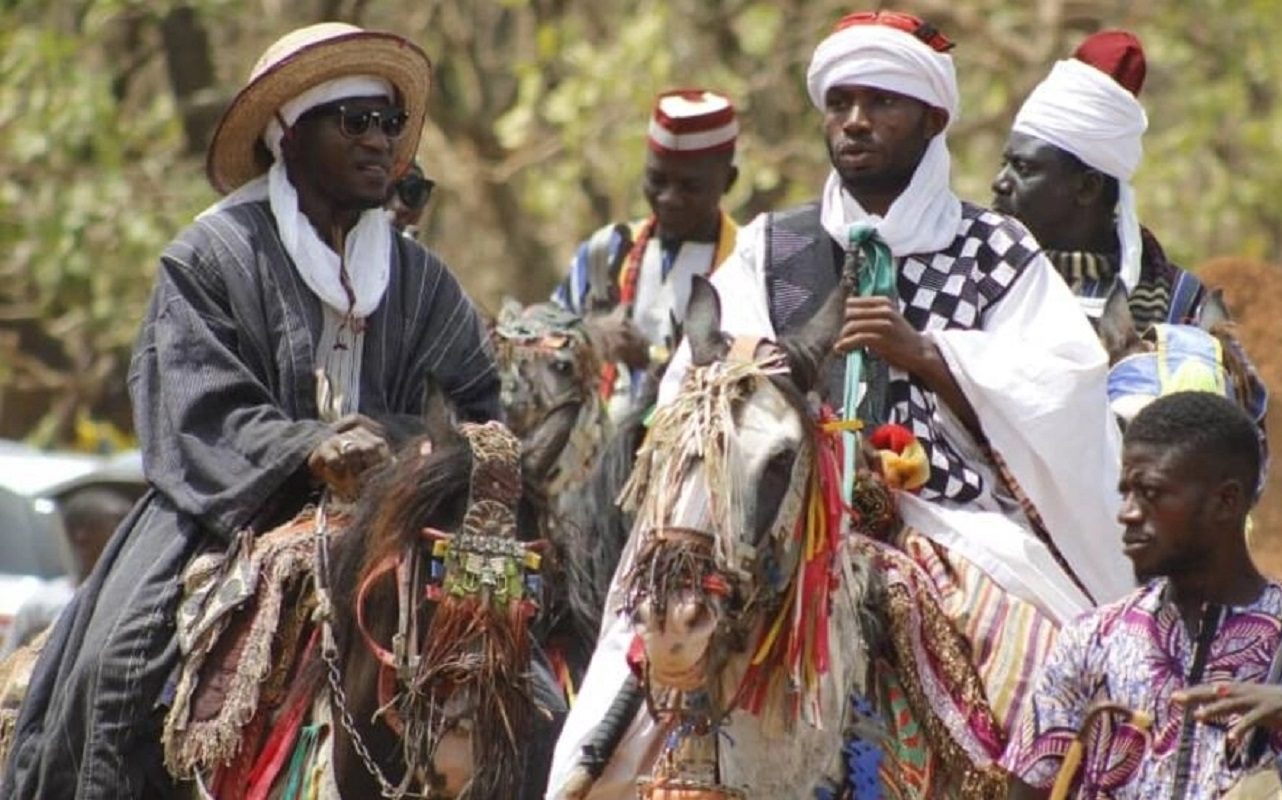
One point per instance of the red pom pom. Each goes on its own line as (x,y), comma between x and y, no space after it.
(891,437)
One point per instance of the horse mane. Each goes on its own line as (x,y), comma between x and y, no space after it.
(412,492)
(596,529)
(1235,363)
(402,497)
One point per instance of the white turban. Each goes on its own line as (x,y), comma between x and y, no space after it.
(926,215)
(1085,111)
(319,95)
(883,57)
(367,256)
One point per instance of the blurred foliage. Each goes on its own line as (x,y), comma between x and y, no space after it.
(537,136)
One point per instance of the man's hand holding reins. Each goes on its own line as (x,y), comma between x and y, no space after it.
(876,324)
(357,444)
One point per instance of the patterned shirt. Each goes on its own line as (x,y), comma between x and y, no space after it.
(1136,652)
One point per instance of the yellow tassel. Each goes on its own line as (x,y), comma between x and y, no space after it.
(766,643)
(843,426)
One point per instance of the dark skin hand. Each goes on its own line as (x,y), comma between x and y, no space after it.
(875,323)
(1258,704)
(357,444)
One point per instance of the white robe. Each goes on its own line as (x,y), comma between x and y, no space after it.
(1035,374)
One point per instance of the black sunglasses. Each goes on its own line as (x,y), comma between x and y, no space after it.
(414,190)
(355,122)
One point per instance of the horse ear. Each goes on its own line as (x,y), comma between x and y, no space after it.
(1116,325)
(437,418)
(510,310)
(703,323)
(1213,311)
(808,346)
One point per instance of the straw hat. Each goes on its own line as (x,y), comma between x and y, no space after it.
(295,63)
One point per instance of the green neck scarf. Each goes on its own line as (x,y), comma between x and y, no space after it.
(868,271)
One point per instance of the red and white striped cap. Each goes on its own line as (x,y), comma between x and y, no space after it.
(692,122)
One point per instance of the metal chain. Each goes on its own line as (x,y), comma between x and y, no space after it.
(333,671)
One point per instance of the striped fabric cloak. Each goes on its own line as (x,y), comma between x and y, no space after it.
(225,408)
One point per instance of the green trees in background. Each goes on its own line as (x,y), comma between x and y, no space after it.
(536,137)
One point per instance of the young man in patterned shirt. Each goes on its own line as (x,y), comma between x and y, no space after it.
(1190,465)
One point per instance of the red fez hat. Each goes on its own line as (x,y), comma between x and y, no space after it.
(1117,54)
(692,122)
(908,23)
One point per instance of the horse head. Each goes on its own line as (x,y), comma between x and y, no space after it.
(434,587)
(1166,358)
(549,373)
(720,488)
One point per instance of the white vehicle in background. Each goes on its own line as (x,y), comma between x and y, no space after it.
(33,549)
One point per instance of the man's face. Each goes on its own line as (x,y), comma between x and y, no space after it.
(1166,510)
(1037,186)
(350,168)
(684,192)
(876,137)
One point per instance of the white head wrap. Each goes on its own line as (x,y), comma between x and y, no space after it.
(1083,110)
(926,216)
(368,245)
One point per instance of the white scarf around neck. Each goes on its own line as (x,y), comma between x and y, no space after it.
(923,219)
(367,246)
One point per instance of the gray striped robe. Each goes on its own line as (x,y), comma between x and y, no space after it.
(225,406)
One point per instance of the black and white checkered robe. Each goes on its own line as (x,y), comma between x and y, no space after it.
(947,290)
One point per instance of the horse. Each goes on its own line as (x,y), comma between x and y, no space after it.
(550,375)
(1167,357)
(737,583)
(399,662)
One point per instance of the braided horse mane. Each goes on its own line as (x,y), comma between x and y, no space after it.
(474,659)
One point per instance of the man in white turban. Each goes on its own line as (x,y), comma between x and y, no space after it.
(1066,174)
(963,336)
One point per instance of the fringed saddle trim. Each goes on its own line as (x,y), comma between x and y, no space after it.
(280,559)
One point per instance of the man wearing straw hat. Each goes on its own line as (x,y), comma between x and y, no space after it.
(288,343)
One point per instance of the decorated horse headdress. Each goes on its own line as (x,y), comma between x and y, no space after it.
(480,583)
(737,500)
(1166,358)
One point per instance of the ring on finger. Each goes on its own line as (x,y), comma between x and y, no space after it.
(345,446)
(1222,690)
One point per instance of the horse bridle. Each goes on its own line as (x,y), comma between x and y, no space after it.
(494,475)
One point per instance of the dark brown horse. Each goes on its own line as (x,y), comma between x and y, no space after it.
(411,671)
